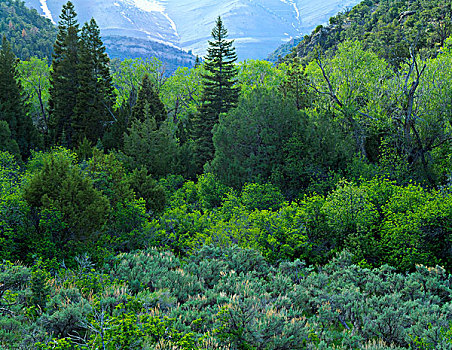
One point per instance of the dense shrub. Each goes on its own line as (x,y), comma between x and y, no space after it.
(223,298)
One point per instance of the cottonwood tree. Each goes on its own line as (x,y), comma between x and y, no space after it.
(421,110)
(351,84)
(35,79)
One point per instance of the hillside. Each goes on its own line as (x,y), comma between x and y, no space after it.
(388,27)
(33,35)
(29,33)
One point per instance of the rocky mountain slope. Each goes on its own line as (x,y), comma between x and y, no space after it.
(389,27)
(258,26)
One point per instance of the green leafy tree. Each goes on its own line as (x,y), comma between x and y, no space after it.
(351,86)
(35,79)
(12,104)
(220,92)
(255,74)
(64,78)
(95,97)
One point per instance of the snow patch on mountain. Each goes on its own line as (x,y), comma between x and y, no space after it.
(46,11)
(147,5)
(126,17)
(295,7)
(172,24)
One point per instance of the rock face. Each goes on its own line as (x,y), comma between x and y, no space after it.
(258,26)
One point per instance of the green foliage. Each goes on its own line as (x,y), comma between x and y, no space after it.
(12,106)
(95,97)
(149,189)
(261,197)
(15,223)
(148,104)
(64,78)
(219,92)
(296,86)
(34,76)
(247,139)
(60,188)
(39,286)
(150,146)
(211,191)
(7,143)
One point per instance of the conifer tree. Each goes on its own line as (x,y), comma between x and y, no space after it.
(12,105)
(7,143)
(296,85)
(95,97)
(219,94)
(148,102)
(64,77)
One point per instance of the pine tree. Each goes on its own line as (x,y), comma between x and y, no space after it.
(95,97)
(12,104)
(64,77)
(219,94)
(148,101)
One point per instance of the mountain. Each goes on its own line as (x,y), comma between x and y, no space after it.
(258,26)
(388,27)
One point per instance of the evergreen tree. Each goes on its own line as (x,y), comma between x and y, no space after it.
(95,92)
(296,85)
(148,101)
(220,93)
(7,143)
(12,105)
(64,77)
(147,145)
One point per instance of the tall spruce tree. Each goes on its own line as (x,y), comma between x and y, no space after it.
(148,103)
(95,96)
(12,104)
(64,78)
(220,92)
